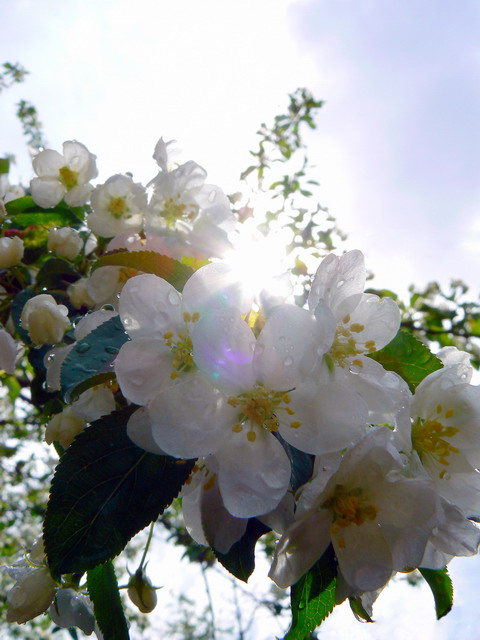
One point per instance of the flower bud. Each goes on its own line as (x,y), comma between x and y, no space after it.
(45,320)
(72,609)
(63,427)
(141,592)
(78,294)
(11,252)
(65,242)
(30,596)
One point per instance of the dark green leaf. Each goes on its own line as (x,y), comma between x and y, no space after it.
(105,489)
(107,606)
(358,609)
(313,597)
(240,560)
(91,356)
(173,271)
(56,274)
(408,357)
(301,463)
(441,585)
(16,310)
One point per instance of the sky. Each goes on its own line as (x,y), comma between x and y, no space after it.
(396,149)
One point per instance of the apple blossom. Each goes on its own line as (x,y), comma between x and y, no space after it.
(44,319)
(64,176)
(72,609)
(11,252)
(63,427)
(118,206)
(377,517)
(65,242)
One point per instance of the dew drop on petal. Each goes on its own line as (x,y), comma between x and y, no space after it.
(173,298)
(288,361)
(340,283)
(281,339)
(259,348)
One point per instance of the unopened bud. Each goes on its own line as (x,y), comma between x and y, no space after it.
(11,252)
(141,592)
(44,319)
(65,242)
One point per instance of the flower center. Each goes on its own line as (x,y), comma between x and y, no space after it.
(174,210)
(431,437)
(260,408)
(346,344)
(348,507)
(68,178)
(181,347)
(118,207)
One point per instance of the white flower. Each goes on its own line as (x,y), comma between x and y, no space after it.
(8,352)
(63,427)
(72,609)
(78,294)
(44,319)
(446,434)
(34,588)
(11,252)
(65,242)
(118,206)
(365,322)
(198,215)
(240,398)
(63,176)
(378,519)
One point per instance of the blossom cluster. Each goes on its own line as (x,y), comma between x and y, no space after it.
(253,387)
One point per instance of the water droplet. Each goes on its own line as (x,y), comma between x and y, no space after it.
(259,348)
(83,347)
(127,322)
(340,283)
(50,358)
(354,369)
(288,361)
(111,349)
(173,298)
(136,381)
(281,339)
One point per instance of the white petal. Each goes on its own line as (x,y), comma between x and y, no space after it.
(337,278)
(141,366)
(379,317)
(94,403)
(48,163)
(47,192)
(253,476)
(214,285)
(288,347)
(139,430)
(300,547)
(223,347)
(190,418)
(8,352)
(221,529)
(149,307)
(332,417)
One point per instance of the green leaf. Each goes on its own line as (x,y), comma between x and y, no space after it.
(442,589)
(104,491)
(56,274)
(301,463)
(408,357)
(313,597)
(4,165)
(173,271)
(91,356)
(54,218)
(107,606)
(359,610)
(240,560)
(19,205)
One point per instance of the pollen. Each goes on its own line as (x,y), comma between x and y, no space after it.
(357,328)
(432,438)
(349,507)
(181,348)
(68,178)
(449,413)
(209,483)
(118,207)
(251,436)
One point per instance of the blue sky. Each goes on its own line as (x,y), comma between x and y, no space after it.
(397,147)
